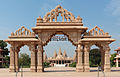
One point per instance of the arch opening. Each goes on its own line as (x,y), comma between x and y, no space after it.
(24,60)
(61,34)
(96,57)
(59,52)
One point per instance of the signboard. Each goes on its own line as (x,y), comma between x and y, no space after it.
(59,38)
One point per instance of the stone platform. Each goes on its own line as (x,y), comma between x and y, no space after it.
(60,72)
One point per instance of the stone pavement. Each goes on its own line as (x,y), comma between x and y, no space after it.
(60,72)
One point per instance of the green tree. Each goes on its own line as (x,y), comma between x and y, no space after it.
(3,46)
(112,58)
(5,52)
(24,60)
(7,62)
(95,57)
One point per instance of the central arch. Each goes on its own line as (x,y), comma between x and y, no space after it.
(62,33)
(59,60)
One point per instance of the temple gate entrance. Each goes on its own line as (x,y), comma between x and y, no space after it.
(48,26)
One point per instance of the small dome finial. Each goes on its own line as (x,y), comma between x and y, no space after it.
(79,19)
(39,19)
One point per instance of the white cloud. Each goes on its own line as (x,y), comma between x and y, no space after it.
(113,7)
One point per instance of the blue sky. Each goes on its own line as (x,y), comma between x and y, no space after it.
(17,13)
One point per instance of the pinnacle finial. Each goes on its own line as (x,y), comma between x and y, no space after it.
(55,54)
(65,54)
(74,57)
(39,19)
(45,57)
(79,19)
(59,53)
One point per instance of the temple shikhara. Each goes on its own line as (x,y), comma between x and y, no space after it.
(60,59)
(49,26)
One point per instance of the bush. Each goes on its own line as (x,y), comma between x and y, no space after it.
(112,58)
(46,64)
(73,64)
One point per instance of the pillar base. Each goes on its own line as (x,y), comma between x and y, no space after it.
(33,68)
(17,69)
(107,68)
(79,68)
(11,69)
(86,69)
(40,69)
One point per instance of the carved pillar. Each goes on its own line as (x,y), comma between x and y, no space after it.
(117,62)
(76,56)
(79,67)
(12,59)
(86,58)
(33,58)
(102,58)
(40,67)
(107,59)
(17,59)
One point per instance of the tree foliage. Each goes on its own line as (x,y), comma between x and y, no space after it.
(7,62)
(46,64)
(5,52)
(3,46)
(112,58)
(95,57)
(24,60)
(73,64)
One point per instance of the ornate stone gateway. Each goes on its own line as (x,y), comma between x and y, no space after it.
(47,27)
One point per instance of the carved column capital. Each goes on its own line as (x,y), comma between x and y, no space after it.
(40,47)
(80,48)
(86,48)
(32,47)
(11,48)
(106,47)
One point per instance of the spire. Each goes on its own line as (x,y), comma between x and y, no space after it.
(74,57)
(45,57)
(59,53)
(64,54)
(55,54)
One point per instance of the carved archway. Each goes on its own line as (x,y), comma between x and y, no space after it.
(49,35)
(47,27)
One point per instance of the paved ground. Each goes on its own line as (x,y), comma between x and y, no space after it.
(60,72)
